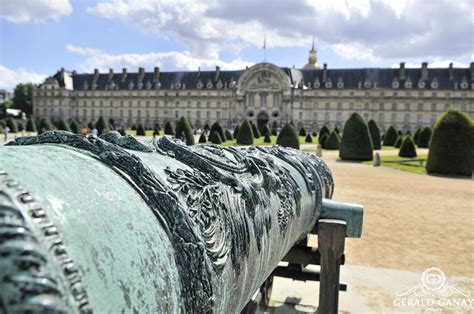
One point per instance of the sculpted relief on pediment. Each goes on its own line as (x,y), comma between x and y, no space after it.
(264,80)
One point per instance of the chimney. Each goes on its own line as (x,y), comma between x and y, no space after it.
(472,71)
(61,74)
(111,74)
(325,72)
(218,72)
(124,74)
(424,71)
(450,71)
(156,74)
(96,72)
(141,74)
(401,71)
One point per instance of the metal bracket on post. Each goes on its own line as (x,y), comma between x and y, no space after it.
(331,240)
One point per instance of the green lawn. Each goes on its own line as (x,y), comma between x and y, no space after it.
(408,164)
(259,141)
(147,132)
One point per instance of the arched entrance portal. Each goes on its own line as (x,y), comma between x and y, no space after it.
(262,119)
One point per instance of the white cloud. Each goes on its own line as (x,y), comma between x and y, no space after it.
(34,11)
(97,59)
(388,29)
(9,78)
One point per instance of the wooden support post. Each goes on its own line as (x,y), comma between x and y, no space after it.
(331,239)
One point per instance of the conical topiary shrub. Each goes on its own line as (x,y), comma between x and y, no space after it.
(31,125)
(275,125)
(288,137)
(215,138)
(141,130)
(12,124)
(206,127)
(45,125)
(375,134)
(63,125)
(324,130)
(452,145)
(228,135)
(314,134)
(202,138)
(168,128)
(356,143)
(323,139)
(390,136)
(302,132)
(337,130)
(333,141)
(236,131)
(217,127)
(21,128)
(407,148)
(264,130)
(417,134)
(308,139)
(424,138)
(75,127)
(274,132)
(245,135)
(255,131)
(267,139)
(398,142)
(184,131)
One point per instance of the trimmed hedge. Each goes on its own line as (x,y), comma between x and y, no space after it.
(452,145)
(288,137)
(356,143)
(333,141)
(424,138)
(236,131)
(217,127)
(141,130)
(202,138)
(407,148)
(255,131)
(21,128)
(375,134)
(45,124)
(13,125)
(275,125)
(75,127)
(323,139)
(302,132)
(274,132)
(417,134)
(228,135)
(264,130)
(267,138)
(314,134)
(31,125)
(337,130)
(215,138)
(390,137)
(308,139)
(398,142)
(245,135)
(206,127)
(168,128)
(323,130)
(63,125)
(184,131)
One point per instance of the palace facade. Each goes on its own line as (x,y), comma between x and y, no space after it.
(311,97)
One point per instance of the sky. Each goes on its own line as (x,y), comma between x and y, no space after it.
(38,37)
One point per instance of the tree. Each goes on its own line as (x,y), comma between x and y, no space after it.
(407,148)
(12,124)
(333,141)
(314,134)
(424,138)
(245,135)
(452,145)
(390,136)
(302,132)
(63,125)
(169,128)
(308,139)
(45,124)
(288,137)
(3,108)
(75,127)
(356,143)
(23,98)
(202,138)
(31,125)
(398,142)
(255,131)
(323,139)
(141,130)
(324,130)
(217,127)
(375,134)
(184,131)
(215,138)
(267,138)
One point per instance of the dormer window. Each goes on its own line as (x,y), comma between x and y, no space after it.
(328,84)
(131,85)
(395,83)
(209,84)
(157,85)
(148,85)
(421,84)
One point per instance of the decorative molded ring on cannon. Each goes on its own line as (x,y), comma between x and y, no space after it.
(111,224)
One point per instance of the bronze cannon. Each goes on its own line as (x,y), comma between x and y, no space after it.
(113,225)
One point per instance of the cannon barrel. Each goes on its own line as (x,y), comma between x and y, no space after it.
(113,225)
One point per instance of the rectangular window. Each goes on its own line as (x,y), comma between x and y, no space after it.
(420,107)
(338,117)
(407,107)
(218,115)
(433,107)
(394,106)
(381,106)
(301,116)
(326,117)
(419,118)
(327,106)
(407,118)
(366,106)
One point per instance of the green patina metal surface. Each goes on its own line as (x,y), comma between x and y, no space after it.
(114,225)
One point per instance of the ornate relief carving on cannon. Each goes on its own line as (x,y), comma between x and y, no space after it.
(111,224)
